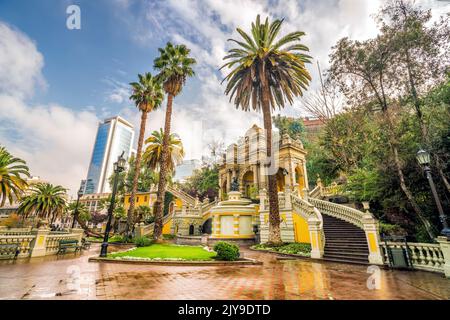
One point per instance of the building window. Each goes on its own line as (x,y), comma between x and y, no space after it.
(137,199)
(145,199)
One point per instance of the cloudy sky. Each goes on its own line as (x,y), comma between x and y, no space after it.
(56,84)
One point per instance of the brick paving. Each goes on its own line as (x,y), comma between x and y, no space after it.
(73,277)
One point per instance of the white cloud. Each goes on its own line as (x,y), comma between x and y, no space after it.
(55,141)
(20,62)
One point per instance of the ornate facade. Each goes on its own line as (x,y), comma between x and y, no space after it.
(246,161)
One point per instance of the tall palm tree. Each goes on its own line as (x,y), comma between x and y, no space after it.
(174,65)
(45,201)
(266,73)
(153,151)
(12,173)
(147,95)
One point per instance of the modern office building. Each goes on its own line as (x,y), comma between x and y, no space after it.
(114,136)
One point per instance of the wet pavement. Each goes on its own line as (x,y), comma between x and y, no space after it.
(73,277)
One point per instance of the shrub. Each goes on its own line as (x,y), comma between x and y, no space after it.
(226,251)
(142,242)
(303,249)
(168,236)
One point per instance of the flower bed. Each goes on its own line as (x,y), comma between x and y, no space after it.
(301,249)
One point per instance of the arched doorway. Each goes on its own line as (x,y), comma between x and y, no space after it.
(247,183)
(224,189)
(280,179)
(191,230)
(300,179)
(207,226)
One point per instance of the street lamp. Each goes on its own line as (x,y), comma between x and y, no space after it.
(423,158)
(75,214)
(119,166)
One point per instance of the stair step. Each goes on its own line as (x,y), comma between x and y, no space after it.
(356,254)
(345,261)
(363,258)
(346,247)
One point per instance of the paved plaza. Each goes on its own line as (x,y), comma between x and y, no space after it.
(73,277)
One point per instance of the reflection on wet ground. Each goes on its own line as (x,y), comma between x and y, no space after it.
(73,277)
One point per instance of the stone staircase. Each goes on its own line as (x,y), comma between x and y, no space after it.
(345,242)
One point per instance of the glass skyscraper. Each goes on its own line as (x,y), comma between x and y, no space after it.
(114,136)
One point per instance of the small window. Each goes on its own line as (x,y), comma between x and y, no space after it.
(145,199)
(137,199)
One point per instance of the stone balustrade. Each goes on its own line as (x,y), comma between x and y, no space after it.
(339,211)
(35,242)
(423,256)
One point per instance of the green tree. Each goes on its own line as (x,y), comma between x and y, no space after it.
(45,200)
(362,71)
(13,173)
(83,212)
(265,74)
(147,94)
(291,126)
(154,149)
(203,182)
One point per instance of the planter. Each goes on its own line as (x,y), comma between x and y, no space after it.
(240,262)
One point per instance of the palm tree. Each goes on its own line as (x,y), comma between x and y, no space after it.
(45,201)
(174,65)
(12,182)
(265,74)
(83,211)
(153,151)
(147,95)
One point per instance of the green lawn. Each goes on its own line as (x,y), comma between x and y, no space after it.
(167,251)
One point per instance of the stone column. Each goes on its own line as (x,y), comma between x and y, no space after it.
(370,226)
(215,225)
(305,175)
(444,242)
(228,181)
(236,224)
(38,246)
(316,238)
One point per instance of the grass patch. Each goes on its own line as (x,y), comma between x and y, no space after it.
(166,251)
(302,249)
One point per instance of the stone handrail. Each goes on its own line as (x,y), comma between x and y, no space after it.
(206,207)
(53,239)
(182,195)
(15,231)
(315,193)
(23,241)
(148,229)
(424,256)
(339,211)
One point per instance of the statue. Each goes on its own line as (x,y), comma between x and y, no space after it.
(234,185)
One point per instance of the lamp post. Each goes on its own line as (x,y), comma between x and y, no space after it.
(119,166)
(423,158)
(75,214)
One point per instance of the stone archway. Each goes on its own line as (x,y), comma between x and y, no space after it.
(247,183)
(300,178)
(207,226)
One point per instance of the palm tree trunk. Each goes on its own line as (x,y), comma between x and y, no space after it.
(137,169)
(163,171)
(274,211)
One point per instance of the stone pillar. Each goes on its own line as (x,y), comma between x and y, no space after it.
(215,225)
(228,181)
(315,235)
(79,232)
(139,229)
(370,226)
(444,242)
(38,246)
(236,224)
(305,175)
(287,198)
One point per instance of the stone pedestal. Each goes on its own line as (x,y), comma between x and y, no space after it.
(370,226)
(234,195)
(316,238)
(79,232)
(444,242)
(38,246)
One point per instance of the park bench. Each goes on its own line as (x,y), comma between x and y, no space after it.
(64,245)
(9,250)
